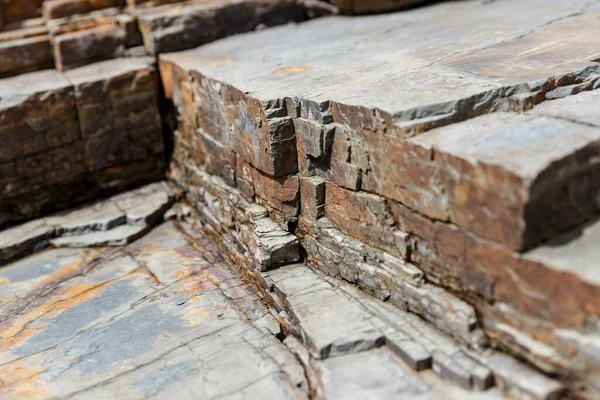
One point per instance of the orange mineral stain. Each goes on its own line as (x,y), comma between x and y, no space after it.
(220,62)
(291,70)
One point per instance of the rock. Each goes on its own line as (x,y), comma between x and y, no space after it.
(411,352)
(369,6)
(119,236)
(274,246)
(25,48)
(516,379)
(112,222)
(331,324)
(53,9)
(181,27)
(515,164)
(117,103)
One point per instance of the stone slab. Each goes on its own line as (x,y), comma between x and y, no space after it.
(103,324)
(312,301)
(433,39)
(515,179)
(112,222)
(191,24)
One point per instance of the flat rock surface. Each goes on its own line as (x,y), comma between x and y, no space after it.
(166,316)
(146,320)
(413,59)
(523,144)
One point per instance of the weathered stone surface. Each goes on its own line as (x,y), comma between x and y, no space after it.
(66,137)
(312,195)
(151,319)
(310,301)
(112,222)
(433,55)
(515,179)
(180,27)
(53,9)
(117,104)
(19,10)
(274,246)
(40,145)
(25,48)
(75,49)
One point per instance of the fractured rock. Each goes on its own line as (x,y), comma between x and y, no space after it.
(191,24)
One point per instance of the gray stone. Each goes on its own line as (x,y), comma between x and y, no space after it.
(331,323)
(448,368)
(519,380)
(274,246)
(415,355)
(466,76)
(119,236)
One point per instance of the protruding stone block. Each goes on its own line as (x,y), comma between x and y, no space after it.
(117,103)
(312,196)
(274,246)
(25,49)
(516,179)
(53,9)
(415,355)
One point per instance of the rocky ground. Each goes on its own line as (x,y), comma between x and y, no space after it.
(167,314)
(264,198)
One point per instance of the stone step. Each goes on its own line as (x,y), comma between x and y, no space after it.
(113,222)
(194,23)
(338,103)
(338,322)
(453,171)
(67,137)
(25,48)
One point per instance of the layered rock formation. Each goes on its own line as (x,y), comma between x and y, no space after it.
(430,180)
(413,193)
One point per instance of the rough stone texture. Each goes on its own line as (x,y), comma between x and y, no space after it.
(158,317)
(440,174)
(68,137)
(536,176)
(25,48)
(191,24)
(111,222)
(117,105)
(424,173)
(53,9)
(19,10)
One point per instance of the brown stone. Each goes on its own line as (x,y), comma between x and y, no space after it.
(25,49)
(364,216)
(38,113)
(20,10)
(279,195)
(515,179)
(312,196)
(75,49)
(117,102)
(197,24)
(53,9)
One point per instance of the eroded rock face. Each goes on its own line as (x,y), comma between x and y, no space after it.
(67,137)
(427,201)
(454,178)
